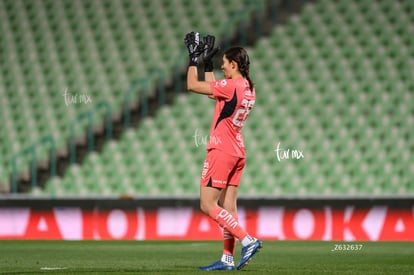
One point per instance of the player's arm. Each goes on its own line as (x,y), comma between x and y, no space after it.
(195,85)
(209,77)
(196,48)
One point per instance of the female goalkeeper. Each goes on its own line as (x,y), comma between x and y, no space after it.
(225,160)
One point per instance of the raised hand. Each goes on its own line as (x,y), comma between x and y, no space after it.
(208,52)
(194,47)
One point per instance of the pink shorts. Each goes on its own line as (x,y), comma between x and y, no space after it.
(221,169)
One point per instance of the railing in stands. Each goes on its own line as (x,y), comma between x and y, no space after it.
(89,116)
(32,151)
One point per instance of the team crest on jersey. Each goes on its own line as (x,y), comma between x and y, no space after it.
(223,83)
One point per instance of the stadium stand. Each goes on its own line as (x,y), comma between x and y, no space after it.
(61,58)
(334,83)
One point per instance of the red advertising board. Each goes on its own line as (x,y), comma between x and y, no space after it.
(376,223)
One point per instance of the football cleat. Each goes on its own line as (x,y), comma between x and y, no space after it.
(219,265)
(248,252)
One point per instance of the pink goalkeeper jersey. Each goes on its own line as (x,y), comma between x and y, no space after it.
(234,100)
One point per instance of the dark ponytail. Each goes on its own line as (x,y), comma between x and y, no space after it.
(240,56)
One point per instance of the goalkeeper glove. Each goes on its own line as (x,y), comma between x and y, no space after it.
(194,47)
(208,52)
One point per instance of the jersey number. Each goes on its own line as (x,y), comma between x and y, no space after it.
(243,112)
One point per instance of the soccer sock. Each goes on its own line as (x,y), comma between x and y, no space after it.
(228,222)
(247,240)
(229,245)
(229,242)
(228,259)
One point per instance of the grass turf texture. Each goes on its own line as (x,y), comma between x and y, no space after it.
(182,257)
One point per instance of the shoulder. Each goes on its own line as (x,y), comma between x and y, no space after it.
(223,88)
(223,83)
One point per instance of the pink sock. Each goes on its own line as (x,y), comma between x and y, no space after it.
(228,222)
(229,242)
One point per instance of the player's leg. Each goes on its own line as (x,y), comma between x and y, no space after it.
(216,172)
(209,196)
(213,185)
(226,220)
(212,177)
(224,197)
(250,245)
(228,199)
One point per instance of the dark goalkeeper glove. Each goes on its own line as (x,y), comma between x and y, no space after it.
(194,47)
(208,52)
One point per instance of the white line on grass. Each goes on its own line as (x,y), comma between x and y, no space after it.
(52,268)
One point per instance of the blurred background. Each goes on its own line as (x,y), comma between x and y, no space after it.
(93,101)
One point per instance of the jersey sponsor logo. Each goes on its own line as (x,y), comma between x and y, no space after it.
(221,182)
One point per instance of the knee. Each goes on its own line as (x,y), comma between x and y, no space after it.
(205,206)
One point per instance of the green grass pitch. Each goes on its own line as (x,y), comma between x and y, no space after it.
(183,257)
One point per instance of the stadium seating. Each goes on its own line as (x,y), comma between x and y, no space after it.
(335,82)
(88,49)
(343,95)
